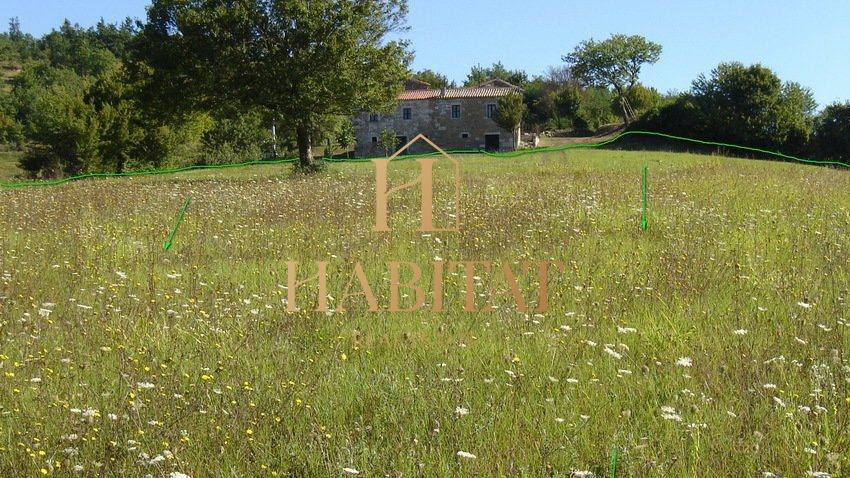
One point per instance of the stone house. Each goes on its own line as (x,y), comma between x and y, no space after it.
(453,118)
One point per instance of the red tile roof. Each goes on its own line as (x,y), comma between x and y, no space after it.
(454,93)
(418,94)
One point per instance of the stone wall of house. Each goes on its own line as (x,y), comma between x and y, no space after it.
(433,119)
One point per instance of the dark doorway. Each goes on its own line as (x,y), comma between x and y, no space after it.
(399,142)
(491,142)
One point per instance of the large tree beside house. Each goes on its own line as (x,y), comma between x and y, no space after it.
(298,60)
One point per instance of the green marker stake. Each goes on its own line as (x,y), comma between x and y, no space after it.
(167,245)
(644,222)
(614,455)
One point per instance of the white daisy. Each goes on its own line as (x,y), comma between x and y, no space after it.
(670,413)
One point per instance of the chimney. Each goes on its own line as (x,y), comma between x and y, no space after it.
(442,92)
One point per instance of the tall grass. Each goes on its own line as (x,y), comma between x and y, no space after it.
(712,344)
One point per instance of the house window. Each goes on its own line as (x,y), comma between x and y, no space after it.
(464,135)
(373,117)
(455,111)
(491,110)
(374,139)
(406,113)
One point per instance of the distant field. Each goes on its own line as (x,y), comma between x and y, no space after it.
(9,164)
(713,344)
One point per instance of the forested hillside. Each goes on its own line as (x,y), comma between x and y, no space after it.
(74,101)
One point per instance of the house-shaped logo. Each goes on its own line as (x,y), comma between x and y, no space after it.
(425,180)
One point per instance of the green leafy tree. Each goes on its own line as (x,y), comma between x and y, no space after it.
(112,96)
(327,131)
(116,38)
(567,102)
(237,138)
(73,47)
(435,80)
(15,32)
(81,124)
(738,104)
(616,63)
(63,129)
(11,131)
(641,99)
(479,74)
(345,137)
(750,105)
(75,108)
(832,133)
(595,108)
(172,141)
(678,115)
(15,45)
(387,141)
(510,112)
(540,95)
(539,109)
(797,115)
(298,60)
(8,51)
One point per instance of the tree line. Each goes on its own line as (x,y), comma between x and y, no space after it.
(205,82)
(748,105)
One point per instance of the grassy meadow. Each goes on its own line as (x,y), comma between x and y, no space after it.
(712,344)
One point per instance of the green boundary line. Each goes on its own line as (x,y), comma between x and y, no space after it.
(523,152)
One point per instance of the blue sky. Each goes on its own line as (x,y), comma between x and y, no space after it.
(803,41)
